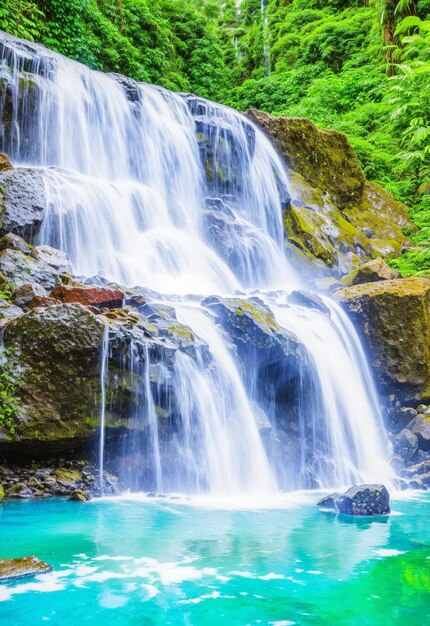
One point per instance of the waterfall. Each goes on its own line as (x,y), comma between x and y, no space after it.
(266,35)
(184,196)
(104,361)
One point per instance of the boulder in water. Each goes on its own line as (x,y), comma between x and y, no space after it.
(89,295)
(79,496)
(25,567)
(359,500)
(329,502)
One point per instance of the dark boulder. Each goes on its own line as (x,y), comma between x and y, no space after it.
(359,500)
(420,426)
(329,502)
(364,500)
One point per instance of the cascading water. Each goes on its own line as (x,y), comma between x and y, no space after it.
(266,33)
(180,195)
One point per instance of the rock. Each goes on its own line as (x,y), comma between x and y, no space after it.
(79,496)
(5,163)
(9,310)
(309,300)
(53,257)
(420,426)
(422,408)
(420,468)
(19,269)
(329,502)
(416,483)
(403,416)
(220,148)
(393,319)
(1,492)
(27,292)
(22,202)
(94,295)
(370,272)
(67,475)
(44,301)
(407,444)
(14,242)
(324,158)
(364,500)
(335,217)
(25,567)
(425,479)
(54,359)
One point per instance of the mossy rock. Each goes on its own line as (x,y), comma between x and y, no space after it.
(370,272)
(66,475)
(336,216)
(54,362)
(25,567)
(325,158)
(393,318)
(19,269)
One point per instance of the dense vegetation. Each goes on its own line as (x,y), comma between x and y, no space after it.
(360,66)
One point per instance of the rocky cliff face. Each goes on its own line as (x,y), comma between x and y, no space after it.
(337,220)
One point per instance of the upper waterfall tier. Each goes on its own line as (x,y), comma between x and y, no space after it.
(150,187)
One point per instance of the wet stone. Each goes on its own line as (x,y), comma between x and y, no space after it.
(25,567)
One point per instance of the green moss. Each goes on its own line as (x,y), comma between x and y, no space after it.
(181,331)
(258,313)
(9,399)
(67,475)
(303,228)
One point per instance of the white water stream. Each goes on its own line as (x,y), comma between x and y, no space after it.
(182,196)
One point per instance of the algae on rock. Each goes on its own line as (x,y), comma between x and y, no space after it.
(393,318)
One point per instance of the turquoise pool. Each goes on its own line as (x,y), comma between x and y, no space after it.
(158,561)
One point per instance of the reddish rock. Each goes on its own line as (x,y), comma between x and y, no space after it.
(5,163)
(89,295)
(42,301)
